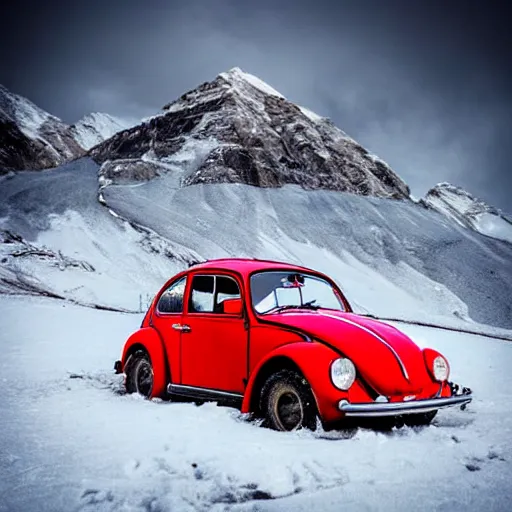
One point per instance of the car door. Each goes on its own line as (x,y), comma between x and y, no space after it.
(167,320)
(214,344)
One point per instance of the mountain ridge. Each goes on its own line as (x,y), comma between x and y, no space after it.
(468,211)
(31,138)
(240,130)
(96,127)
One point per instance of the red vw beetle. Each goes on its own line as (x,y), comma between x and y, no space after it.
(281,341)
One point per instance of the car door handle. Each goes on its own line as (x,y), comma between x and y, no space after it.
(182,328)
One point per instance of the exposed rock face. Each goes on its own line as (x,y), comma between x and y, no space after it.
(237,129)
(468,211)
(97,127)
(30,138)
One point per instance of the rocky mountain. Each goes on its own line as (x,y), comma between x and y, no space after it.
(468,211)
(237,129)
(240,143)
(97,127)
(30,138)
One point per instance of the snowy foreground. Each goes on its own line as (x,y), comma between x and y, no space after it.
(71,441)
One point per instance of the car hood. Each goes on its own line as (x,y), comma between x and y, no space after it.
(386,358)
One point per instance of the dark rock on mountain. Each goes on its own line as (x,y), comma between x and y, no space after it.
(30,138)
(237,129)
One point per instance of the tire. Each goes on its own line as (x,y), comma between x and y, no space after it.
(419,420)
(287,402)
(139,375)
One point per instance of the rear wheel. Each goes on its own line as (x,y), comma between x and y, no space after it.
(287,402)
(139,375)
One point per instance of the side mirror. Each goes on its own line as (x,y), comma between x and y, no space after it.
(232,306)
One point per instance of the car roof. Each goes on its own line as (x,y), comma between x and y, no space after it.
(247,265)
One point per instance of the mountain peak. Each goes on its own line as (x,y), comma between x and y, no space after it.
(30,137)
(466,210)
(28,116)
(96,127)
(235,77)
(457,198)
(238,129)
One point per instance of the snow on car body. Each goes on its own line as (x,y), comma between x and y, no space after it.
(281,341)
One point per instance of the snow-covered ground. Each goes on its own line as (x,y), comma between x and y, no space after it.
(392,258)
(70,441)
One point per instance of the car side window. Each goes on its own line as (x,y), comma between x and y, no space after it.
(201,295)
(209,292)
(171,301)
(225,288)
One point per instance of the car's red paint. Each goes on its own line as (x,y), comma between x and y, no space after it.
(231,351)
(214,353)
(355,337)
(233,307)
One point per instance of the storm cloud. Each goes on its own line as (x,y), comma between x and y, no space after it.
(424,85)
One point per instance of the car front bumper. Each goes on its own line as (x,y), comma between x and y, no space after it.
(382,409)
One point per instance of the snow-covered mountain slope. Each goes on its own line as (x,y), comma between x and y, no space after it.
(62,242)
(372,246)
(97,127)
(71,441)
(392,258)
(468,211)
(237,129)
(30,138)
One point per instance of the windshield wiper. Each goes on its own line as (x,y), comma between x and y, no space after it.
(306,305)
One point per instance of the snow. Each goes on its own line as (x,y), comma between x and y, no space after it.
(468,211)
(236,75)
(144,232)
(66,218)
(50,135)
(72,441)
(311,115)
(372,247)
(97,127)
(185,162)
(494,226)
(27,116)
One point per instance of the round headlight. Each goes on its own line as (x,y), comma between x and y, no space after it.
(440,368)
(343,373)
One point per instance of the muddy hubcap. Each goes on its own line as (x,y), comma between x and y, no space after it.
(144,378)
(289,411)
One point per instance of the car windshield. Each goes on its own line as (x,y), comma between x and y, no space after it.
(274,291)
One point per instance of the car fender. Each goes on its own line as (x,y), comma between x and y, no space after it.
(149,339)
(313,360)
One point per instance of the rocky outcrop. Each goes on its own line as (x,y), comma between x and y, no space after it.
(253,135)
(30,138)
(460,206)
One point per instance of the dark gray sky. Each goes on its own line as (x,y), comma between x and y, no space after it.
(426,85)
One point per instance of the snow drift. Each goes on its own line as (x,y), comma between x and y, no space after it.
(72,441)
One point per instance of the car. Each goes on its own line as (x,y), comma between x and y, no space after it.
(282,342)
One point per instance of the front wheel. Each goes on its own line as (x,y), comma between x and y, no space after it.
(139,375)
(287,402)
